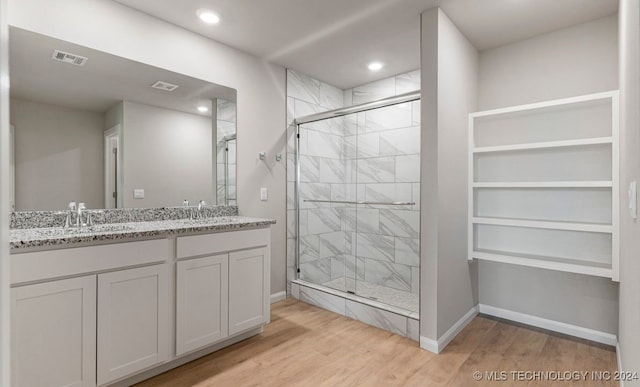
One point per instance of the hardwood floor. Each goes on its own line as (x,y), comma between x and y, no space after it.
(308,346)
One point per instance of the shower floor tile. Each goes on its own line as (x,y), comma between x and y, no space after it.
(397,298)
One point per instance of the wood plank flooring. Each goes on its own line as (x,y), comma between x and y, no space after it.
(308,346)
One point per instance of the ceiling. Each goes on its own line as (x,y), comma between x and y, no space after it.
(102,82)
(333,40)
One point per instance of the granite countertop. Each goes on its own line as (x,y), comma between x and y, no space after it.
(57,236)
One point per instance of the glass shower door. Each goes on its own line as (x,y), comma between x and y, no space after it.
(358,192)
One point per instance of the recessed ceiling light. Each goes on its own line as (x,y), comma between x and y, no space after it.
(375,66)
(203,109)
(208,16)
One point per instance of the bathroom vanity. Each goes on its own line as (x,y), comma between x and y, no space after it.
(118,303)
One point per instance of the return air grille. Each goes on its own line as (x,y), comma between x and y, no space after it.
(66,57)
(166,86)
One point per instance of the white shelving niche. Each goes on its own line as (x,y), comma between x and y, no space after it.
(543,185)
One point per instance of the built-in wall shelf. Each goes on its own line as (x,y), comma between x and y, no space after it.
(551,225)
(545,145)
(543,185)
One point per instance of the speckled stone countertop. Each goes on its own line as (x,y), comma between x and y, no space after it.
(57,236)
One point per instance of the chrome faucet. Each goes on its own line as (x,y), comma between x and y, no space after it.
(78,210)
(72,209)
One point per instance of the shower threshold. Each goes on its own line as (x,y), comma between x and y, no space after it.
(372,312)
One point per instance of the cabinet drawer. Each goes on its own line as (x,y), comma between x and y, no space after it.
(209,244)
(41,265)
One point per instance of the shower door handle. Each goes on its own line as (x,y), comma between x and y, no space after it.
(363,202)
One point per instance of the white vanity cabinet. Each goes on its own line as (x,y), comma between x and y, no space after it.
(222,286)
(53,333)
(115,314)
(133,320)
(202,302)
(248,290)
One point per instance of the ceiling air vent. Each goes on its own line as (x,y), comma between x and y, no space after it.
(166,86)
(69,58)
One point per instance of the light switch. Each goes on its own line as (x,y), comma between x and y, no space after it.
(138,193)
(264,194)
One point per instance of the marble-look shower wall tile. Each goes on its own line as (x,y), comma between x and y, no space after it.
(413,329)
(323,300)
(350,147)
(338,193)
(376,170)
(337,267)
(291,111)
(377,317)
(415,196)
(375,247)
(401,223)
(388,274)
(347,96)
(332,171)
(415,280)
(405,141)
(349,266)
(317,272)
(332,244)
(225,110)
(314,191)
(349,218)
(415,113)
(368,220)
(373,91)
(304,222)
(350,124)
(408,251)
(388,192)
(303,87)
(367,145)
(309,248)
(324,220)
(408,82)
(291,252)
(291,224)
(225,128)
(309,169)
(390,117)
(291,168)
(291,190)
(360,271)
(407,169)
(322,144)
(330,96)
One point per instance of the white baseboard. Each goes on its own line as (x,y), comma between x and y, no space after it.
(437,346)
(552,325)
(619,359)
(428,344)
(275,297)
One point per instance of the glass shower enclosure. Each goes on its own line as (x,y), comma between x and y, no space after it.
(357,200)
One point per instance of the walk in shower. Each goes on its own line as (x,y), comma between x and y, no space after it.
(358,202)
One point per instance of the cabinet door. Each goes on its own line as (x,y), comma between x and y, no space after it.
(53,333)
(202,300)
(132,321)
(248,289)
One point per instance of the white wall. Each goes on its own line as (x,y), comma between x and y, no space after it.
(59,156)
(111,27)
(5,196)
(629,334)
(573,61)
(568,62)
(449,94)
(168,154)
